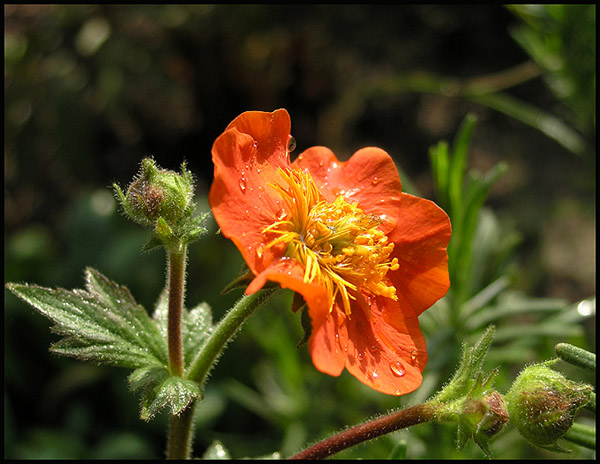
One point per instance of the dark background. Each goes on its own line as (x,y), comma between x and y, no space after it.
(90,90)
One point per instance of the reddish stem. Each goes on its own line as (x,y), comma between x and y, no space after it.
(369,430)
(176,297)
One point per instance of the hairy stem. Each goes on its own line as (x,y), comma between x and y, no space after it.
(179,445)
(224,332)
(176,297)
(576,356)
(179,442)
(372,429)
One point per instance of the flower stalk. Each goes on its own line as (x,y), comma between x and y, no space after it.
(414,415)
(179,442)
(224,332)
(177,262)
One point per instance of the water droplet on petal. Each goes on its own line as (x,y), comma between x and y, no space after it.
(397,369)
(242,183)
(375,374)
(375,180)
(291,144)
(413,355)
(280,215)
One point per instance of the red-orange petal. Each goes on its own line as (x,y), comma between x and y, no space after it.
(369,178)
(382,347)
(289,273)
(246,157)
(421,239)
(270,131)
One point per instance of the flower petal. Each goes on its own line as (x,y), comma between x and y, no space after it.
(271,132)
(421,240)
(382,347)
(246,157)
(289,273)
(369,178)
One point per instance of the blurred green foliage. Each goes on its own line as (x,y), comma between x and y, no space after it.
(92,89)
(562,40)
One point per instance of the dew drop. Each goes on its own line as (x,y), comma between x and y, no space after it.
(242,183)
(375,180)
(375,374)
(413,355)
(291,144)
(280,215)
(397,369)
(260,250)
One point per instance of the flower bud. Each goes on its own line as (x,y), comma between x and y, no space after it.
(482,418)
(157,193)
(495,415)
(542,404)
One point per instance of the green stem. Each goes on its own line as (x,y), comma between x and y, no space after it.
(176,297)
(179,445)
(582,435)
(414,415)
(224,332)
(576,356)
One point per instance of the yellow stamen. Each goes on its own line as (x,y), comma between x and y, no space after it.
(339,245)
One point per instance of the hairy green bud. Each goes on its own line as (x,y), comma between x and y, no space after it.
(157,193)
(542,404)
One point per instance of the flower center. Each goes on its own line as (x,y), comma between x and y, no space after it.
(339,245)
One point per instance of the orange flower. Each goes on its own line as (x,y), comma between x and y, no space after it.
(366,258)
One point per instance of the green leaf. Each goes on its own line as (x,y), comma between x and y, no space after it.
(160,389)
(458,165)
(440,160)
(102,323)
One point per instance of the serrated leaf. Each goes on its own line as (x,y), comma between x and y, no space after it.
(147,377)
(175,392)
(102,323)
(196,327)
